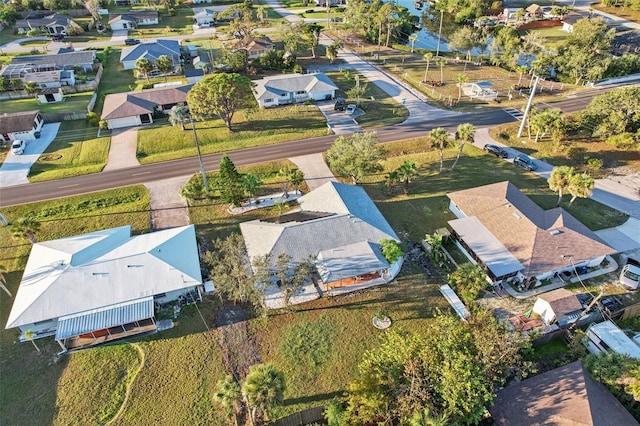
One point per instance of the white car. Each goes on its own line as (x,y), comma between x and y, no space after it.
(18,146)
(351,108)
(630,274)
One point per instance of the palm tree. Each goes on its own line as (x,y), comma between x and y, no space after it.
(3,280)
(439,139)
(31,87)
(251,185)
(262,389)
(427,418)
(25,227)
(279,207)
(461,80)
(228,395)
(580,185)
(465,133)
(406,173)
(165,65)
(427,57)
(29,335)
(179,115)
(332,50)
(441,63)
(412,39)
(559,180)
(144,67)
(261,13)
(391,180)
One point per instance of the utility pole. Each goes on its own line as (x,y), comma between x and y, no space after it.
(526,111)
(195,137)
(439,33)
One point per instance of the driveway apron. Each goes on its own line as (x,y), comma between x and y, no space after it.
(122,152)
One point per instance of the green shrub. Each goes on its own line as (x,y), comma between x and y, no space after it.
(93,118)
(622,141)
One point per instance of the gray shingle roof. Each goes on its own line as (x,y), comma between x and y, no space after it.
(17,121)
(119,105)
(46,21)
(61,59)
(151,51)
(291,83)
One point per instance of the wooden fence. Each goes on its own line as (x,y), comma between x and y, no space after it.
(301,418)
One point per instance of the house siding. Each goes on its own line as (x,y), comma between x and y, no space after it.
(116,123)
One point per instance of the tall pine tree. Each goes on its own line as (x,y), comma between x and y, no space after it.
(229,182)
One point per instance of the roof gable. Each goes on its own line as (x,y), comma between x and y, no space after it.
(119,105)
(292,83)
(17,121)
(150,50)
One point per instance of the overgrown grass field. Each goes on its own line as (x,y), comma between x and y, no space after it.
(75,151)
(76,102)
(251,128)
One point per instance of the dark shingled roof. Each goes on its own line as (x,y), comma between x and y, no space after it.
(17,121)
(119,105)
(565,396)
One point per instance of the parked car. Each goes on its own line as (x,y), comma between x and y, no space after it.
(18,146)
(525,162)
(630,274)
(496,150)
(351,108)
(57,37)
(340,104)
(131,41)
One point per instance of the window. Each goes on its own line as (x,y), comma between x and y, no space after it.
(300,92)
(268,101)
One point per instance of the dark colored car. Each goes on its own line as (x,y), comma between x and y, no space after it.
(496,150)
(57,37)
(131,41)
(525,162)
(340,104)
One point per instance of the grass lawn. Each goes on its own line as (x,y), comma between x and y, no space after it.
(550,37)
(114,78)
(574,152)
(163,142)
(75,151)
(380,108)
(76,102)
(180,23)
(622,12)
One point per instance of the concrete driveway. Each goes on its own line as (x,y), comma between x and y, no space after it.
(15,169)
(338,121)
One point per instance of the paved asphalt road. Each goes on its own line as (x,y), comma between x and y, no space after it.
(148,173)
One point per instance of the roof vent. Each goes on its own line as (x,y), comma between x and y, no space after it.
(555,232)
(516,215)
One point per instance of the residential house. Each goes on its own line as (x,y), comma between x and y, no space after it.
(50,96)
(45,76)
(194,76)
(20,125)
(255,47)
(293,88)
(50,24)
(565,396)
(534,11)
(83,59)
(133,19)
(323,3)
(205,17)
(151,51)
(202,1)
(516,240)
(102,286)
(339,227)
(571,18)
(606,337)
(137,108)
(559,306)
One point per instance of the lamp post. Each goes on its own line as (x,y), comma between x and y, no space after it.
(439,33)
(195,137)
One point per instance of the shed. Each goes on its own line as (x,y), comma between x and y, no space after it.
(51,96)
(561,306)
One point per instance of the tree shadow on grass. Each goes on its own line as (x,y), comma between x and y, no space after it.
(321,397)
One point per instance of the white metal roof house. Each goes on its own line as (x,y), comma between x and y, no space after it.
(339,226)
(20,125)
(137,108)
(97,287)
(607,337)
(293,88)
(150,51)
(501,228)
(131,20)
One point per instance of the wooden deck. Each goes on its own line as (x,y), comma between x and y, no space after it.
(108,335)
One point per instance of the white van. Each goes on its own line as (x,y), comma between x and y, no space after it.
(630,274)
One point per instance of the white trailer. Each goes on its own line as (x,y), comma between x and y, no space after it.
(607,337)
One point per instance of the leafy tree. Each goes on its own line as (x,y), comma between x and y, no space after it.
(335,413)
(31,87)
(8,14)
(179,115)
(29,335)
(505,47)
(434,242)
(614,112)
(424,417)
(439,139)
(532,43)
(551,121)
(357,90)
(412,39)
(580,185)
(194,189)
(293,41)
(261,13)
(279,207)
(624,140)
(332,50)
(313,31)
(355,155)
(251,184)
(220,94)
(391,250)
(464,134)
(463,40)
(620,374)
(165,65)
(585,53)
(559,180)
(92,6)
(263,389)
(234,279)
(25,227)
(144,67)
(427,58)
(228,396)
(229,182)
(406,173)
(292,276)
(468,280)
